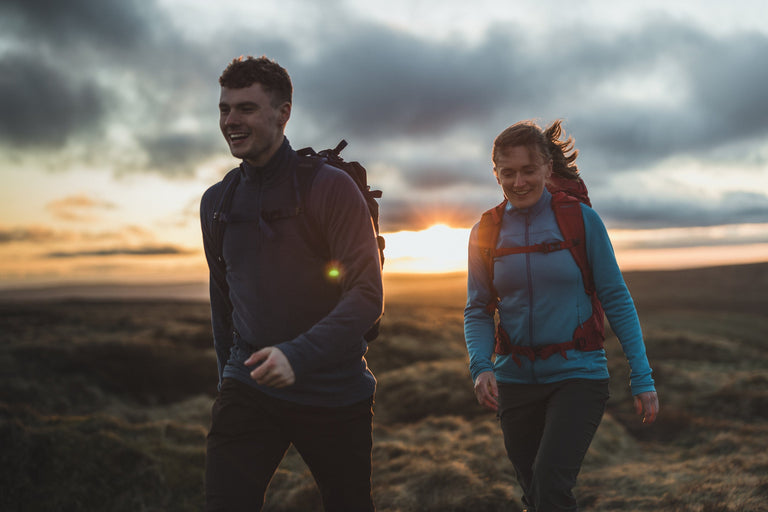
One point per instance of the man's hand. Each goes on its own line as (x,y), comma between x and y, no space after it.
(274,371)
(486,391)
(647,404)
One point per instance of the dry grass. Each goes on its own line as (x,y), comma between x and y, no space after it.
(104,406)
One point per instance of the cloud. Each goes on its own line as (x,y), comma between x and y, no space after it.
(103,78)
(156,250)
(32,234)
(376,82)
(373,81)
(43,105)
(121,74)
(126,234)
(110,23)
(696,239)
(446,172)
(178,153)
(709,95)
(732,208)
(77,207)
(410,214)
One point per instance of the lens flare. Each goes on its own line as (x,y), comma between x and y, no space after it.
(333,271)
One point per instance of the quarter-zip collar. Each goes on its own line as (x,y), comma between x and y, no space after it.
(269,172)
(541,205)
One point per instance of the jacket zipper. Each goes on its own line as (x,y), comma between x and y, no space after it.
(530,291)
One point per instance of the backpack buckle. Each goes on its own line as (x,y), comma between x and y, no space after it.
(548,247)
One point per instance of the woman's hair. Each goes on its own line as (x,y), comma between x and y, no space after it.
(243,72)
(546,143)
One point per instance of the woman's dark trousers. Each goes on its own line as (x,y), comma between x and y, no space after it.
(547,431)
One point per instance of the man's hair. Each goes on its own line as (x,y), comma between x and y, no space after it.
(243,72)
(545,143)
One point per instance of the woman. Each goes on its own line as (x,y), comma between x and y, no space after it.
(544,369)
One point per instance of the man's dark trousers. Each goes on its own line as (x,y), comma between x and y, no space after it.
(251,431)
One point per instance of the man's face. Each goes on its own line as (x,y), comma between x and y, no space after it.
(522,175)
(252,126)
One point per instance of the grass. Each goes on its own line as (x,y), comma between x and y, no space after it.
(104,405)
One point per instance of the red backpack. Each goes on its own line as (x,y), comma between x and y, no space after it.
(567,194)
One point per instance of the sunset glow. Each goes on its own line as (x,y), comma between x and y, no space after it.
(439,248)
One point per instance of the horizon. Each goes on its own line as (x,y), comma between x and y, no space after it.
(396,284)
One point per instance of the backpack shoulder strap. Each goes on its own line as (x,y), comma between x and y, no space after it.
(590,334)
(488,233)
(304,175)
(221,215)
(219,221)
(567,211)
(487,238)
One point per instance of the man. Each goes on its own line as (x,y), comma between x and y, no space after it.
(299,286)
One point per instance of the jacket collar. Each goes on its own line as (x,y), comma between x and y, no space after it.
(542,204)
(270,171)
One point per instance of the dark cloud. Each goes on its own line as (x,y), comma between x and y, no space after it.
(729,80)
(374,81)
(404,214)
(43,105)
(446,174)
(178,153)
(110,23)
(733,208)
(44,234)
(33,234)
(720,91)
(160,250)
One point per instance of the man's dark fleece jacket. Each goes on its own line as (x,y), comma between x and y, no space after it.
(281,285)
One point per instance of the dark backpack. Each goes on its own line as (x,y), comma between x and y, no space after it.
(359,175)
(309,163)
(567,194)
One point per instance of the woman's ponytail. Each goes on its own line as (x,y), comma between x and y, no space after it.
(562,152)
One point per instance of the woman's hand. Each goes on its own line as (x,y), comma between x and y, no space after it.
(647,404)
(486,391)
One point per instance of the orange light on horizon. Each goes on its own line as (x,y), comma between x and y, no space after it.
(443,249)
(691,257)
(437,249)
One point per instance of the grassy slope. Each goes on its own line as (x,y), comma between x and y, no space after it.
(104,405)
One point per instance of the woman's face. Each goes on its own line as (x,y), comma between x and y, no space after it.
(522,175)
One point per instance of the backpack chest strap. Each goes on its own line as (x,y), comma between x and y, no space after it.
(545,247)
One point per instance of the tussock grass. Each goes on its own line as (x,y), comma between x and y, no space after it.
(105,405)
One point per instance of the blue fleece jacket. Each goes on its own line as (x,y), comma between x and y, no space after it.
(542,301)
(280,286)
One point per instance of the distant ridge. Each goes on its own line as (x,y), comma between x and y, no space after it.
(192,291)
(395,285)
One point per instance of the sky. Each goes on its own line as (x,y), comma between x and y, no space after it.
(109,123)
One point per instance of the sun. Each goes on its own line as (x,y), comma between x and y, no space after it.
(437,249)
